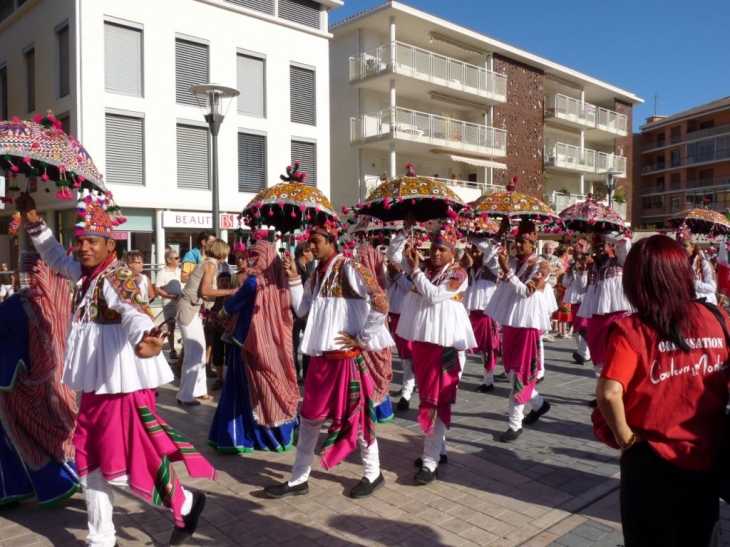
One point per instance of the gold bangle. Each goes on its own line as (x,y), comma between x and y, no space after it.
(628,444)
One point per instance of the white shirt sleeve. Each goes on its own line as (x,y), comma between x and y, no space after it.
(53,253)
(301,296)
(435,294)
(708,284)
(395,251)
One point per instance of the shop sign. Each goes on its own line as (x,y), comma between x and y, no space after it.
(121,236)
(184,219)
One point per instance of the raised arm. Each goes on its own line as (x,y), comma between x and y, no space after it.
(396,248)
(708,283)
(535,282)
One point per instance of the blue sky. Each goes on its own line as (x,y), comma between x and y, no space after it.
(677,49)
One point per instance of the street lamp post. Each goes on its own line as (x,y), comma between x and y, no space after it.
(213,96)
(610,186)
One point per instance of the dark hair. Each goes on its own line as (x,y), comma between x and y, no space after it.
(658,282)
(224,275)
(203,237)
(300,248)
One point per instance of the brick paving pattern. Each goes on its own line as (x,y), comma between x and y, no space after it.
(555,486)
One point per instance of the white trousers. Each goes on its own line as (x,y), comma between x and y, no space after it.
(582,345)
(307,443)
(434,445)
(409,379)
(461,356)
(99,497)
(193,380)
(488,378)
(515,410)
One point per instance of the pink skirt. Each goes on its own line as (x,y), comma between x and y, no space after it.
(521,355)
(579,323)
(437,375)
(402,345)
(121,434)
(340,389)
(597,335)
(486,333)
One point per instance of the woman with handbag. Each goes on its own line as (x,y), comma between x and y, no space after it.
(663,392)
(200,284)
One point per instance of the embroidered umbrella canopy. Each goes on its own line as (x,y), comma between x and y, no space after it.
(477,226)
(376,230)
(517,206)
(590,215)
(701,221)
(423,197)
(40,148)
(289,205)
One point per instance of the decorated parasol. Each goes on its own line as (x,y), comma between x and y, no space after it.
(518,206)
(478,226)
(423,197)
(289,205)
(589,215)
(377,230)
(701,221)
(41,149)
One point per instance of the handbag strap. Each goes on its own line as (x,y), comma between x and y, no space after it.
(714,310)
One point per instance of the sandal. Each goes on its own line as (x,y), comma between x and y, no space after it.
(205,398)
(216,385)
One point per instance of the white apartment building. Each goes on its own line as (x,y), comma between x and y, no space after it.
(118,73)
(467,109)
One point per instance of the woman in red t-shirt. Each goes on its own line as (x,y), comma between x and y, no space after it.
(663,392)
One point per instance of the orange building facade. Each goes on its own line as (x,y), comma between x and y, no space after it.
(682,161)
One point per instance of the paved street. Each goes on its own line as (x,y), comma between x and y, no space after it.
(555,486)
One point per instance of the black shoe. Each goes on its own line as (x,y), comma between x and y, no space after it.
(502,377)
(181,535)
(578,359)
(426,476)
(403,404)
(173,355)
(534,415)
(283,490)
(484,388)
(365,488)
(540,380)
(443,458)
(511,435)
(593,403)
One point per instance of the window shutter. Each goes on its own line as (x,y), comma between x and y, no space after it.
(64,76)
(191,68)
(65,123)
(306,154)
(30,79)
(193,158)
(303,104)
(251,84)
(305,12)
(264,6)
(122,60)
(6,9)
(251,162)
(124,150)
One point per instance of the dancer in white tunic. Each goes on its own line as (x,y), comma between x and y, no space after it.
(704,273)
(574,297)
(435,320)
(399,285)
(521,306)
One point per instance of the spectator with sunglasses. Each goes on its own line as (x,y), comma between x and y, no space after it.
(169,286)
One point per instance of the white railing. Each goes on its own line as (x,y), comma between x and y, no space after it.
(571,157)
(559,201)
(570,109)
(605,161)
(612,122)
(411,125)
(425,65)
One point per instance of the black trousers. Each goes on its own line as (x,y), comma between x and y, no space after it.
(299,326)
(663,505)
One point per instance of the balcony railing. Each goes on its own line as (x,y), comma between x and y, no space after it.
(709,183)
(688,161)
(559,201)
(571,157)
(612,122)
(709,132)
(479,188)
(411,125)
(425,65)
(650,190)
(570,109)
(606,162)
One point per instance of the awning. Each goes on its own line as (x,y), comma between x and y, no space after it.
(479,163)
